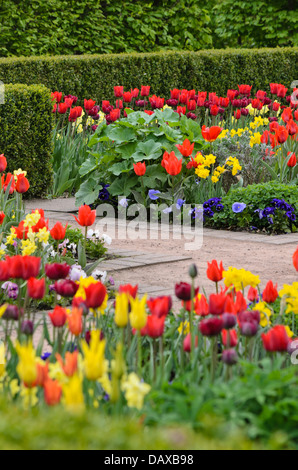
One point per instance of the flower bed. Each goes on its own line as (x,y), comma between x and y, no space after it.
(187,149)
(135,356)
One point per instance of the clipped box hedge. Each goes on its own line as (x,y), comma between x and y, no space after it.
(26,123)
(94,76)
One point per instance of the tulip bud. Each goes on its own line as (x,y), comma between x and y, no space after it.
(249,328)
(11,313)
(229,357)
(193,271)
(27,328)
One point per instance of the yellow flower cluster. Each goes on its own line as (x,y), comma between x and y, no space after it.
(134,391)
(290,292)
(240,278)
(255,112)
(259,121)
(234,163)
(255,139)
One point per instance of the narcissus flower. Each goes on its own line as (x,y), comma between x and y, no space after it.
(86,216)
(58,231)
(135,390)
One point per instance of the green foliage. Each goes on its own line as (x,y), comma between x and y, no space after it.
(115,148)
(88,26)
(26,124)
(94,76)
(257,196)
(262,402)
(255,23)
(58,429)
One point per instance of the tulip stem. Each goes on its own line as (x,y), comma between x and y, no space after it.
(191,326)
(161,358)
(213,358)
(139,353)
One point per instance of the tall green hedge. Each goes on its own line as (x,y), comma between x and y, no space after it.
(26,123)
(94,76)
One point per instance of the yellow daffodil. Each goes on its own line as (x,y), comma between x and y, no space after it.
(28,247)
(43,235)
(265,312)
(135,391)
(11,238)
(240,278)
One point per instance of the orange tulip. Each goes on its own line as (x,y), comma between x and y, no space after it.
(186,148)
(75,323)
(22,184)
(52,392)
(214,272)
(211,133)
(139,168)
(70,365)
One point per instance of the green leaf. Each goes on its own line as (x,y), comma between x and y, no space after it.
(122,186)
(88,192)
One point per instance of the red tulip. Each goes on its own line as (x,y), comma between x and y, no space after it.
(118,91)
(5,181)
(295,259)
(95,295)
(183,291)
(229,338)
(275,106)
(211,326)
(154,327)
(172,165)
(36,288)
(276,339)
(211,133)
(237,114)
(58,231)
(217,303)
(75,113)
(68,102)
(3,163)
(281,91)
(281,134)
(292,161)
(186,148)
(58,316)
(89,104)
(129,290)
(127,97)
(23,267)
(270,293)
(201,306)
(187,342)
(57,96)
(287,115)
(57,271)
(244,89)
(214,110)
(240,303)
(135,92)
(66,287)
(114,115)
(253,294)
(62,108)
(214,272)
(22,184)
(160,306)
(2,215)
(292,127)
(139,168)
(86,216)
(145,90)
(4,271)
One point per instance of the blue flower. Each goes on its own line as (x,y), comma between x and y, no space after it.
(180,203)
(197,213)
(123,202)
(238,207)
(219,207)
(45,356)
(260,211)
(104,194)
(167,210)
(152,193)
